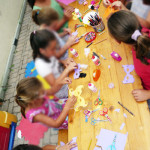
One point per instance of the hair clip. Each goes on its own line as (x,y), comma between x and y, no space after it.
(37,12)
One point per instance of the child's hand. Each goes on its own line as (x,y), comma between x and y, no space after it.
(70,8)
(66,80)
(71,102)
(67,31)
(118,5)
(106,2)
(72,40)
(71,66)
(67,14)
(68,146)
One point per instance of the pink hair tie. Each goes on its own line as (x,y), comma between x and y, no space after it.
(34,31)
(135,35)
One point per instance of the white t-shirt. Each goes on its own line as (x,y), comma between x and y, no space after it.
(140,9)
(45,68)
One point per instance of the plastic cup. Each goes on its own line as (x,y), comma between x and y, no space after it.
(100,27)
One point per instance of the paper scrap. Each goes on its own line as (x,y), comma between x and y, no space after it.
(75,33)
(125,115)
(83,66)
(108,66)
(86,51)
(62,143)
(74,140)
(122,126)
(19,134)
(109,136)
(117,110)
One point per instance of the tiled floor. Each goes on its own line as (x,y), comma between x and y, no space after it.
(22,56)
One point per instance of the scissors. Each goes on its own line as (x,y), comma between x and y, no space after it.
(98,101)
(104,113)
(89,112)
(94,121)
(112,146)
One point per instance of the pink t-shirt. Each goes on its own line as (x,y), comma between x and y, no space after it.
(141,69)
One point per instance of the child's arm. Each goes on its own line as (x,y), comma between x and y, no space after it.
(65,32)
(71,41)
(59,121)
(66,7)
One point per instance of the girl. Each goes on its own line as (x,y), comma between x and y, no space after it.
(47,18)
(124,27)
(43,43)
(36,106)
(64,16)
(68,146)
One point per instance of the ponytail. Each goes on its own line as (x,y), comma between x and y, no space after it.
(31,3)
(35,14)
(40,39)
(143,49)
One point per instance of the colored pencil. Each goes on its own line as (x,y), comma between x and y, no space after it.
(100,41)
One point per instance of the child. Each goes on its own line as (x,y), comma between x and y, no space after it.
(36,106)
(124,27)
(64,16)
(47,18)
(43,43)
(68,146)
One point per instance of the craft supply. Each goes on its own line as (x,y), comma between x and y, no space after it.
(126,108)
(128,78)
(75,17)
(117,110)
(86,118)
(92,87)
(80,100)
(98,101)
(95,54)
(112,146)
(90,36)
(96,60)
(77,72)
(96,74)
(103,57)
(74,140)
(86,51)
(77,12)
(125,115)
(87,16)
(109,137)
(104,112)
(108,66)
(89,112)
(82,75)
(89,44)
(74,52)
(111,85)
(122,126)
(85,3)
(75,33)
(82,36)
(100,41)
(81,2)
(101,33)
(90,7)
(94,121)
(78,26)
(116,56)
(90,145)
(84,66)
(109,11)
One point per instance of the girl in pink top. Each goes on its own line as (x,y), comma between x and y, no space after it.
(37,107)
(124,27)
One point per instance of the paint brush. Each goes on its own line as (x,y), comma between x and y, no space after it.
(89,44)
(100,41)
(90,144)
(126,108)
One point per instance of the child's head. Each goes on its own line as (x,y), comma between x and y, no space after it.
(124,27)
(47,17)
(29,91)
(43,43)
(27,147)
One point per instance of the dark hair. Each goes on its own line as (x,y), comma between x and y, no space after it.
(27,147)
(122,25)
(28,89)
(44,16)
(146,2)
(31,3)
(40,39)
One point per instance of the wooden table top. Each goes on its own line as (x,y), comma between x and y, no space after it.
(138,127)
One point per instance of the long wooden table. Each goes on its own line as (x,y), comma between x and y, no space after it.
(138,127)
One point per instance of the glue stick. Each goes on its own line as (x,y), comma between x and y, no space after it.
(96,60)
(74,53)
(92,87)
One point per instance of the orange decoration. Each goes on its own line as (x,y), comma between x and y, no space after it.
(109,11)
(96,74)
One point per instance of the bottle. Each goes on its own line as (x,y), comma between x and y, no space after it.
(74,53)
(92,87)
(96,60)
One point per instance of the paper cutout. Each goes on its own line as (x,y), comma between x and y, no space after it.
(117,110)
(75,33)
(80,100)
(19,134)
(108,66)
(77,72)
(83,66)
(122,126)
(125,115)
(62,143)
(87,51)
(74,140)
(111,85)
(109,136)
(128,78)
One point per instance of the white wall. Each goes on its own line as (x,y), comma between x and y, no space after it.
(9,16)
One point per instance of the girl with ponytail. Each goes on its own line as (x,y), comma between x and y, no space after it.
(125,27)
(37,107)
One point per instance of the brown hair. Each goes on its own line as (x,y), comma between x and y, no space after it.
(122,25)
(44,16)
(27,90)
